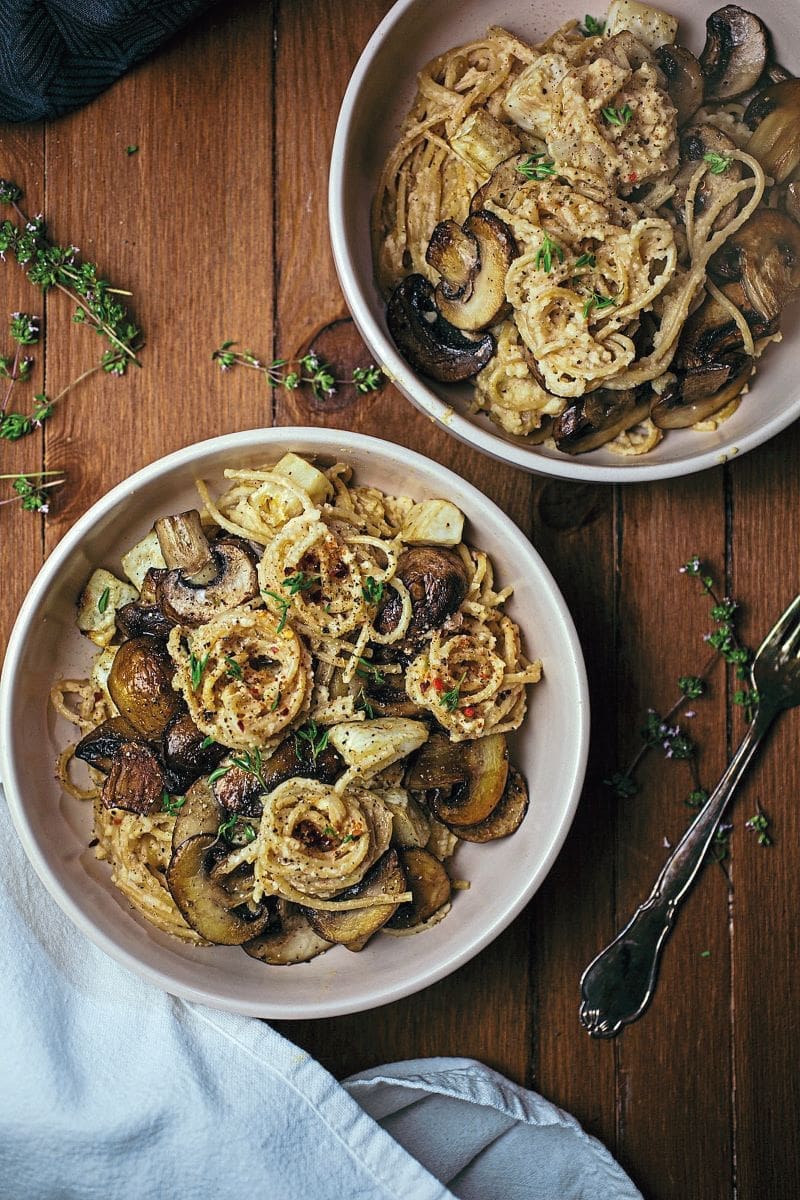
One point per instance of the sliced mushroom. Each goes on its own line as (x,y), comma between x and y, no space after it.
(140,684)
(763,259)
(427,341)
(436,580)
(290,939)
(598,417)
(390,699)
(774,115)
(99,746)
(187,752)
(473,296)
(136,781)
(506,818)
(240,791)
(684,77)
(429,885)
(735,52)
(234,583)
(504,181)
(699,395)
(204,903)
(355,926)
(463,781)
(696,142)
(144,620)
(791,201)
(199,813)
(183,542)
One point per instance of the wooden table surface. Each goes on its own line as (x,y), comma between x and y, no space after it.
(218,226)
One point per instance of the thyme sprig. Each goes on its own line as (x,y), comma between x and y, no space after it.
(536,167)
(667,734)
(307,371)
(314,737)
(597,301)
(545,254)
(717,163)
(50,266)
(592,27)
(33,497)
(618,116)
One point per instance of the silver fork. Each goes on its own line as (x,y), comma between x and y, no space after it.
(618,985)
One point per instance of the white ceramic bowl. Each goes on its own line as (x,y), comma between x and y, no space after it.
(378,96)
(55,829)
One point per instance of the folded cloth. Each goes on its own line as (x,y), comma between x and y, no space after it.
(111,1088)
(56,55)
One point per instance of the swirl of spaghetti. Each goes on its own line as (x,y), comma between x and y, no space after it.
(242,679)
(313,567)
(314,843)
(258,504)
(138,849)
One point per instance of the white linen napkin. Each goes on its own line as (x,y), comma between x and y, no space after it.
(112,1089)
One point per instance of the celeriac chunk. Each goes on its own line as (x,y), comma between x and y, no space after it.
(98,604)
(141,557)
(650,25)
(484,141)
(316,485)
(433,522)
(369,746)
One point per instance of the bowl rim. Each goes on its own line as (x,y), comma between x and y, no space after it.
(414,387)
(327,440)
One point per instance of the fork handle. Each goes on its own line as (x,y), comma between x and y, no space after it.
(618,985)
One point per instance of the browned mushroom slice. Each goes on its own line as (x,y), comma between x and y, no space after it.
(389,699)
(183,542)
(684,77)
(436,580)
(429,885)
(290,939)
(140,684)
(99,746)
(204,903)
(474,296)
(699,395)
(462,781)
(187,751)
(506,818)
(697,142)
(240,791)
(504,181)
(791,201)
(143,620)
(598,417)
(774,115)
(427,341)
(763,258)
(735,52)
(355,926)
(199,813)
(234,583)
(135,781)
(453,252)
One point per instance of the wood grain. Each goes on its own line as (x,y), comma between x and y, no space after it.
(218,226)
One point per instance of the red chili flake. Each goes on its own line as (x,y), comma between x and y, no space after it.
(470,710)
(438,684)
(632,177)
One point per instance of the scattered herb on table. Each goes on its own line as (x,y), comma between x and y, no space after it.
(759,824)
(130,150)
(32,496)
(667,734)
(49,266)
(292,374)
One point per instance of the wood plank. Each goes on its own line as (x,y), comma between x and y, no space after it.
(21,533)
(175,224)
(676,1062)
(766,898)
(441,1020)
(574,910)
